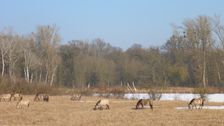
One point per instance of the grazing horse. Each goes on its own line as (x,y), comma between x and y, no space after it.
(6,97)
(16,96)
(101,104)
(76,97)
(198,103)
(22,102)
(143,102)
(41,97)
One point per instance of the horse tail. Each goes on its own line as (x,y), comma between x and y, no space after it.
(151,106)
(202,103)
(190,102)
(138,103)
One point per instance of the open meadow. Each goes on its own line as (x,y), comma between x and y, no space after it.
(61,111)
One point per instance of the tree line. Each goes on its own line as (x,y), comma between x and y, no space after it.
(192,56)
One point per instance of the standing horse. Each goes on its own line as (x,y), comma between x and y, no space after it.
(22,102)
(198,103)
(76,97)
(16,96)
(6,97)
(41,97)
(101,104)
(144,102)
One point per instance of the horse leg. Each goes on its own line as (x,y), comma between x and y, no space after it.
(151,106)
(108,107)
(142,105)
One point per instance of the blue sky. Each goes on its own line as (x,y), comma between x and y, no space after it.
(119,22)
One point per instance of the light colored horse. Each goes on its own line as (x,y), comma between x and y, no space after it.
(16,96)
(76,97)
(6,97)
(196,103)
(143,102)
(101,104)
(41,97)
(23,102)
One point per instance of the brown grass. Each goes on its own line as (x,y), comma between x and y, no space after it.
(60,111)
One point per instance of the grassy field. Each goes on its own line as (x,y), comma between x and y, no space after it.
(60,111)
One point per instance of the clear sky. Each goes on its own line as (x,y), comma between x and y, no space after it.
(119,22)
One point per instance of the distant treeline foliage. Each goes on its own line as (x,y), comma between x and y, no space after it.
(192,56)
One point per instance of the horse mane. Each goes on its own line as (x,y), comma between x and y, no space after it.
(97,103)
(139,102)
(191,101)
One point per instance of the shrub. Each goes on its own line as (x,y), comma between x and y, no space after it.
(154,95)
(201,91)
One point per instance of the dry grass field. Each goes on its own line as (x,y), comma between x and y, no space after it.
(60,111)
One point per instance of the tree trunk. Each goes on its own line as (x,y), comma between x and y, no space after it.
(218,72)
(46,77)
(40,76)
(52,79)
(204,67)
(52,76)
(26,73)
(31,79)
(3,65)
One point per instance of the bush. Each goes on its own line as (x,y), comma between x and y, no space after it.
(154,95)
(21,86)
(118,92)
(201,91)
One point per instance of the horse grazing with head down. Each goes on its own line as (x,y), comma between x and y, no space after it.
(6,97)
(143,102)
(198,103)
(101,104)
(76,97)
(23,102)
(16,96)
(41,97)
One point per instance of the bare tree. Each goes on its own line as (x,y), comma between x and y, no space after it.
(13,54)
(5,45)
(30,59)
(199,35)
(48,40)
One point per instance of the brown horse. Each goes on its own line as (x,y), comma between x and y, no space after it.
(101,104)
(143,102)
(76,97)
(41,97)
(198,103)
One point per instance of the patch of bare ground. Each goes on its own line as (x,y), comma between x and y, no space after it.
(61,111)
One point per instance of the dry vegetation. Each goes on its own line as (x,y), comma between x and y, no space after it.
(61,111)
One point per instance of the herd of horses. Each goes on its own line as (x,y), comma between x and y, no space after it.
(195,103)
(21,101)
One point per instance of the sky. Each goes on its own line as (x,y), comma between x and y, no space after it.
(121,23)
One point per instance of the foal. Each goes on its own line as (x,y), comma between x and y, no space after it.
(143,102)
(198,103)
